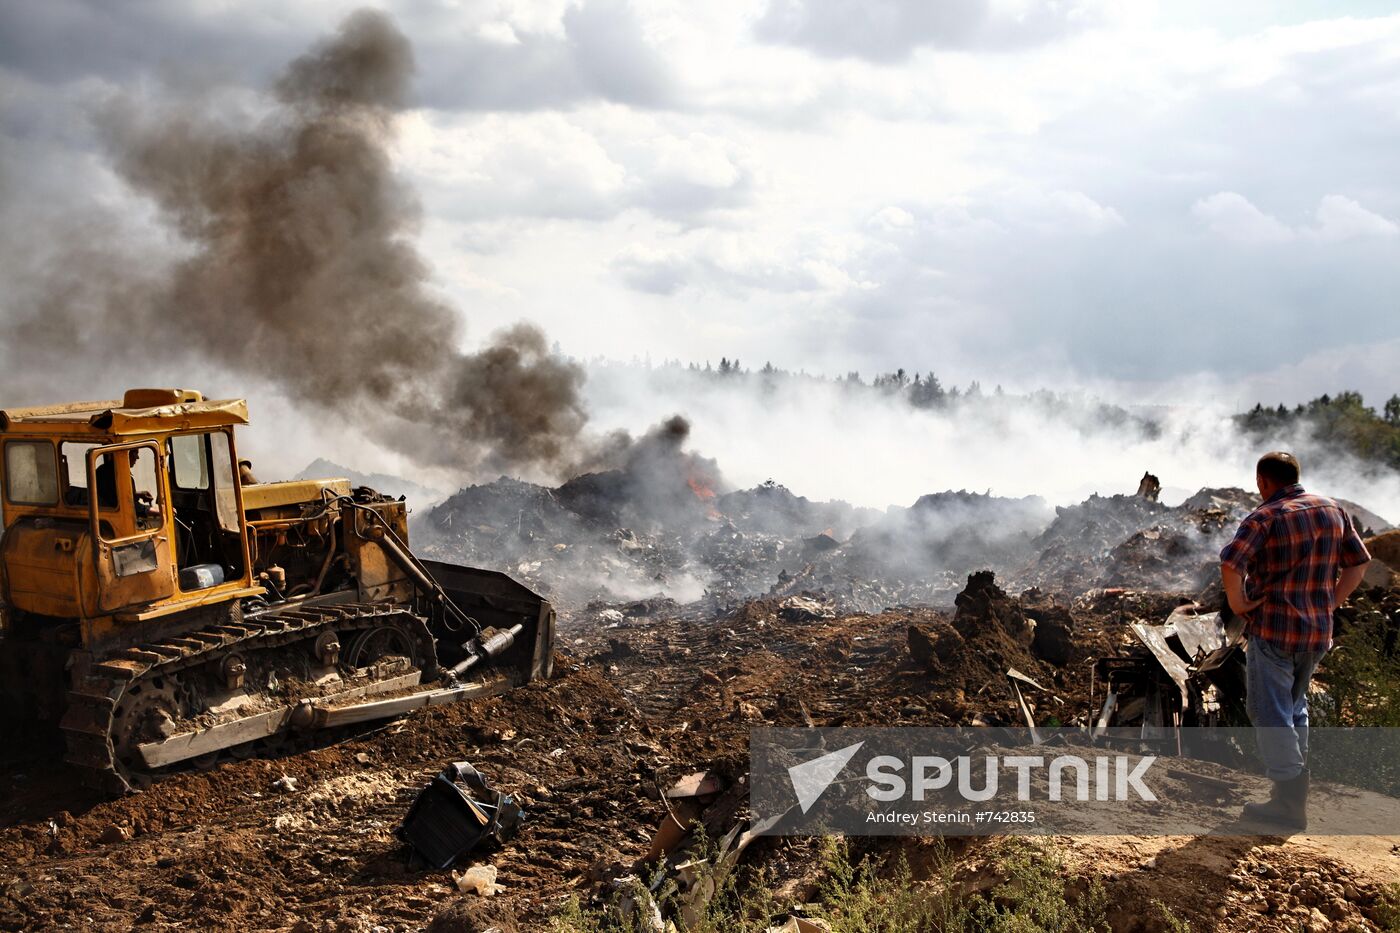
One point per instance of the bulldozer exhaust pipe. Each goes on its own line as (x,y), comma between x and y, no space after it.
(492,643)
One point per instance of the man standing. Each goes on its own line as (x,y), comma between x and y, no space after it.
(1293,561)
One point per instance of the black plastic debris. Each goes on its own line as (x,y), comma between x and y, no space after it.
(456,813)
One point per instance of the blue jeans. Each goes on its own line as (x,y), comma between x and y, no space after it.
(1277,701)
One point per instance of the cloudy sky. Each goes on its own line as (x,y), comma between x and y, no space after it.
(1135,196)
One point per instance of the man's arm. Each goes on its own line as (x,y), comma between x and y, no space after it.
(1234,591)
(1354,558)
(1236,557)
(1349,581)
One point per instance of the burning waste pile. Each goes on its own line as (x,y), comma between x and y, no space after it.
(661,523)
(1136,542)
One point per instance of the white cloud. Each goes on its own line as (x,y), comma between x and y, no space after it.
(490,55)
(1337,219)
(1233,217)
(740,263)
(889,30)
(891,219)
(589,165)
(540,165)
(498,31)
(1341,218)
(658,271)
(680,175)
(1062,212)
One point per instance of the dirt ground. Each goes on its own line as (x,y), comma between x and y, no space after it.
(635,706)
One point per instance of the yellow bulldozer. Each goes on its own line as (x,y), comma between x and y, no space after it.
(169,612)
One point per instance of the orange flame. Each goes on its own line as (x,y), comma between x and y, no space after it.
(697,485)
(700,486)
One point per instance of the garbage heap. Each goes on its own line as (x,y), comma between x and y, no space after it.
(616,537)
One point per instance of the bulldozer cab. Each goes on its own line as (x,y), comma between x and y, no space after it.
(163,503)
(123,511)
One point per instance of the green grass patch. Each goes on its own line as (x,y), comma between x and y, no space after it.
(870,894)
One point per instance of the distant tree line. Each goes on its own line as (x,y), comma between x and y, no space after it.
(1344,421)
(919,390)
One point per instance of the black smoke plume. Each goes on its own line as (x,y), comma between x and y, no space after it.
(297,267)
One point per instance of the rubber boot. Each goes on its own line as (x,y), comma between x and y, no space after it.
(1286,807)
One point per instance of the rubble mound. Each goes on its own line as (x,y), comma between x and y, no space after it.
(597,498)
(481,516)
(621,498)
(1156,557)
(984,607)
(1384,570)
(659,527)
(1386,547)
(956,531)
(1054,639)
(471,916)
(1129,541)
(1070,552)
(990,633)
(1230,499)
(771,509)
(1367,522)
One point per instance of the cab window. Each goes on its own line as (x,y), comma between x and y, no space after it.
(204,503)
(129,473)
(31,473)
(224,473)
(72,459)
(189,464)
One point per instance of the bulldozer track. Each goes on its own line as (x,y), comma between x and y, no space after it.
(93,704)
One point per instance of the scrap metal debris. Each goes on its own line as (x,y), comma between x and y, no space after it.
(457,812)
(1188,672)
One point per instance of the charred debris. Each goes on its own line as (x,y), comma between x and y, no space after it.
(664,539)
(668,528)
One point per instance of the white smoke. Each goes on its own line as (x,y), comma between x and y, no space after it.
(826,440)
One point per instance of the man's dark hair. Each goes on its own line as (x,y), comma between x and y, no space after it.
(1279,467)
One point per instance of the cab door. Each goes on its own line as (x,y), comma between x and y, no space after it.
(130,514)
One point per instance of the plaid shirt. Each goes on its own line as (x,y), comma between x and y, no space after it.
(1289,550)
